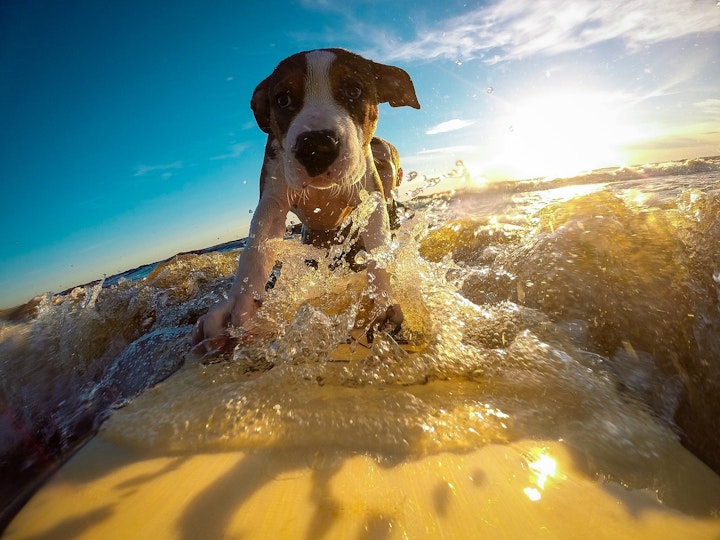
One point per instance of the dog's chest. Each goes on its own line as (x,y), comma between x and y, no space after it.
(323,209)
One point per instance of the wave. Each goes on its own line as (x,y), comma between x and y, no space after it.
(654,170)
(588,314)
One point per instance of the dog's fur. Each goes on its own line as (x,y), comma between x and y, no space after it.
(320,110)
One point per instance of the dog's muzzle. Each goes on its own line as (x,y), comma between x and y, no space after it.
(316,150)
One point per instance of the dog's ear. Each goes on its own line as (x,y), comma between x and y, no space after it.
(260,105)
(394,86)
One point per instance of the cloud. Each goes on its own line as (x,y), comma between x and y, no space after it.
(448,150)
(511,29)
(328,5)
(446,155)
(450,125)
(236,150)
(166,169)
(674,142)
(710,108)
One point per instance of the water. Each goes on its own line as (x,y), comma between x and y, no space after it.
(580,310)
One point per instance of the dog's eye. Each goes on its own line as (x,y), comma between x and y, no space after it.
(352,90)
(284,100)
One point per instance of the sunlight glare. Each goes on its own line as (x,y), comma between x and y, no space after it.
(542,467)
(566,193)
(563,135)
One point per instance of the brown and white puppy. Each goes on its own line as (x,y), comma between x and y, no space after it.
(319,109)
(387,164)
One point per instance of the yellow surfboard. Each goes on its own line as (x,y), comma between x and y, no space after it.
(525,490)
(127,484)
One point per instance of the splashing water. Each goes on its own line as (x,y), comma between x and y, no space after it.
(473,372)
(529,313)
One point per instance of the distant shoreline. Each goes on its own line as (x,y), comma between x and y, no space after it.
(27,309)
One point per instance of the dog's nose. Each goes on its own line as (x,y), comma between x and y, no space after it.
(316,150)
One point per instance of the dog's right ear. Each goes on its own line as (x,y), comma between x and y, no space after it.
(260,105)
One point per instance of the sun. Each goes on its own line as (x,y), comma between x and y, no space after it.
(558,135)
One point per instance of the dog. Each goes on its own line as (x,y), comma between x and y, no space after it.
(387,163)
(320,110)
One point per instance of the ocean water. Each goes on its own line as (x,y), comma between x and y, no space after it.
(583,310)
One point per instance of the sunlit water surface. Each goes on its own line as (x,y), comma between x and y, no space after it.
(582,311)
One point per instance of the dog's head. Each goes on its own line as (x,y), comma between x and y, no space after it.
(322,108)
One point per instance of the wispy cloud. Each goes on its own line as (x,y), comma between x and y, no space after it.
(165,170)
(235,151)
(511,29)
(450,125)
(710,108)
(433,161)
(448,150)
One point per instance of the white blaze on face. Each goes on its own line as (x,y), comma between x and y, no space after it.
(322,112)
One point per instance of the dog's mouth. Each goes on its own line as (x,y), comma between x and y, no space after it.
(320,182)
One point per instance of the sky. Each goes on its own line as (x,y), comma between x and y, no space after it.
(126,134)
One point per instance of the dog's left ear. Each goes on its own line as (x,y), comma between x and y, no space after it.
(260,105)
(394,86)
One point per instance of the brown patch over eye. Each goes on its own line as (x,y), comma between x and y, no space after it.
(284,100)
(352,90)
(353,81)
(286,97)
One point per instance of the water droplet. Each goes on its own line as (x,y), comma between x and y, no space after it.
(244,181)
(316,211)
(250,211)
(489,90)
(458,62)
(361,257)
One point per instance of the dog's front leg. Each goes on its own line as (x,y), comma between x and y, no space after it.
(256,262)
(257,259)
(377,235)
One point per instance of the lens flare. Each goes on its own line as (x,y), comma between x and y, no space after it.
(542,467)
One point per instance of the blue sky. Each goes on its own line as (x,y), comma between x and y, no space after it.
(126,134)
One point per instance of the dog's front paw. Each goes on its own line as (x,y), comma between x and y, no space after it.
(214,323)
(218,331)
(214,349)
(209,336)
(389,322)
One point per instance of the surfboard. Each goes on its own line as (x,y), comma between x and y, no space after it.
(528,489)
(117,488)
